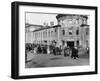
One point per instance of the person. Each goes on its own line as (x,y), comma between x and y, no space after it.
(68,50)
(39,49)
(87,50)
(65,51)
(48,50)
(62,49)
(54,50)
(35,50)
(74,53)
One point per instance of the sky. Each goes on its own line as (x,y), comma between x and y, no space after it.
(40,18)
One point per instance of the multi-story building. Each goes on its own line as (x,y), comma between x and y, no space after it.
(29,28)
(72,30)
(46,35)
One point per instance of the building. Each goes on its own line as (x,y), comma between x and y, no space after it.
(72,30)
(46,35)
(29,28)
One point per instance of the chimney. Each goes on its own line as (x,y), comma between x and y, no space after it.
(51,23)
(45,24)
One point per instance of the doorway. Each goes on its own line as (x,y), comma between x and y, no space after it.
(70,43)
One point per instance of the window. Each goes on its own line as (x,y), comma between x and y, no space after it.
(51,33)
(87,43)
(63,42)
(41,34)
(37,34)
(84,21)
(87,31)
(45,34)
(77,32)
(70,32)
(48,33)
(55,29)
(63,32)
(77,42)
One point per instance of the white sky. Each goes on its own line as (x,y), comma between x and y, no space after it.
(40,18)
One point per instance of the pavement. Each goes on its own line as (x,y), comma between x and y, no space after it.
(50,60)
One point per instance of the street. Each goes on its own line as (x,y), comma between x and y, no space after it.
(50,60)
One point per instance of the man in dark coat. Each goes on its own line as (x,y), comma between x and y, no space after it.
(54,50)
(39,49)
(74,53)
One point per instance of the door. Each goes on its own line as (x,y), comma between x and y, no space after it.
(70,43)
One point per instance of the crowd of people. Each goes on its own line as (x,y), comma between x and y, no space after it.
(73,52)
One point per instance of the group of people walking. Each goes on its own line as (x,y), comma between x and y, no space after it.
(51,49)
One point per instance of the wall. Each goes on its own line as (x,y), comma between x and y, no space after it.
(5,40)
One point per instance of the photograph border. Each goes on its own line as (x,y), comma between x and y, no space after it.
(15,39)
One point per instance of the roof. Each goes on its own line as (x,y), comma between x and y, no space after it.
(82,25)
(28,25)
(46,28)
(62,15)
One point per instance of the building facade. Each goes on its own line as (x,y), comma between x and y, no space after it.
(29,28)
(72,30)
(46,35)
